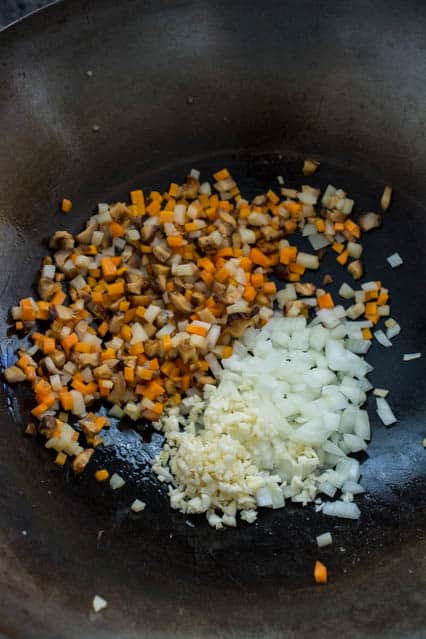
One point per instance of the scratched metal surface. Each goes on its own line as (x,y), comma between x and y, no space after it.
(63,540)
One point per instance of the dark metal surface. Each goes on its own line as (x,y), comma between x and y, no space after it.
(204,84)
(11,10)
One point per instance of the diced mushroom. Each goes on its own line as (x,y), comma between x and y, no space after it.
(162,252)
(180,302)
(13,375)
(47,425)
(310,166)
(386,198)
(307,289)
(61,240)
(85,237)
(64,313)
(81,461)
(190,188)
(356,269)
(46,288)
(31,430)
(369,221)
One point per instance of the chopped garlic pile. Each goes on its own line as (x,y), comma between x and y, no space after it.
(280,425)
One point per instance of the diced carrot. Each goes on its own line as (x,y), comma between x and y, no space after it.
(353,228)
(129,374)
(103,329)
(98,297)
(371,308)
(259,258)
(245,263)
(227,352)
(137,198)
(130,315)
(342,258)
(167,343)
(382,299)
(206,264)
(186,380)
(154,207)
(19,326)
(58,298)
(207,277)
(325,301)
(175,241)
(320,573)
(39,409)
(158,408)
(190,227)
(288,254)
(109,269)
(272,197)
(43,310)
(126,332)
(49,400)
(30,372)
(173,189)
(290,226)
(153,390)
(66,205)
(69,341)
(146,374)
(257,280)
(227,251)
(82,347)
(23,362)
(269,288)
(101,475)
(320,224)
(136,349)
(154,364)
(249,294)
(296,268)
(168,217)
(222,274)
(338,247)
(27,310)
(366,333)
(293,208)
(221,175)
(244,211)
(109,353)
(194,329)
(372,294)
(339,227)
(116,289)
(61,458)
(117,230)
(373,317)
(293,277)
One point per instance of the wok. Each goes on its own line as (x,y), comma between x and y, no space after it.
(256,86)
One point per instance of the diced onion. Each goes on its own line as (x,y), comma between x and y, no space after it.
(324,540)
(410,356)
(384,411)
(395,260)
(341,509)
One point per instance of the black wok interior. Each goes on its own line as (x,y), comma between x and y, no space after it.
(255,87)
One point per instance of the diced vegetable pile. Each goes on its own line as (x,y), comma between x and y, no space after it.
(139,308)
